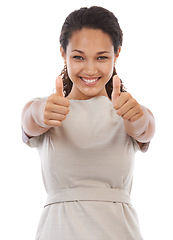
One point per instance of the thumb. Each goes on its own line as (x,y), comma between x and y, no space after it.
(116,87)
(59,86)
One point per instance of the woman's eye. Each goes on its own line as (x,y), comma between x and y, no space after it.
(102,58)
(78,57)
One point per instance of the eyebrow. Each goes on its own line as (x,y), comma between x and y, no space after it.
(98,53)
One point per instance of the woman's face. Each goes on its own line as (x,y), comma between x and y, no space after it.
(90,59)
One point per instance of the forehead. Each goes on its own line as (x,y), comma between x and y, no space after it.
(94,40)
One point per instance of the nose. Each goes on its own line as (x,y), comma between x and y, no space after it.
(90,68)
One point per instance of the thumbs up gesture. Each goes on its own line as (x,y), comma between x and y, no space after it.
(124,104)
(57,106)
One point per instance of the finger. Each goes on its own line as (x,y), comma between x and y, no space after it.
(132,114)
(116,87)
(129,114)
(121,101)
(56,117)
(135,118)
(59,86)
(56,110)
(54,100)
(54,123)
(124,104)
(60,109)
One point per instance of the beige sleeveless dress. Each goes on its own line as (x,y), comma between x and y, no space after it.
(87,167)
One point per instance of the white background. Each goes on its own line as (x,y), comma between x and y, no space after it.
(29,63)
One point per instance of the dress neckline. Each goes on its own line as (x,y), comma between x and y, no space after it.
(91,99)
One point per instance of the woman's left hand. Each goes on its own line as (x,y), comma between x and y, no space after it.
(124,104)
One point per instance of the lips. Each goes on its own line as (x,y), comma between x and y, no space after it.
(90,81)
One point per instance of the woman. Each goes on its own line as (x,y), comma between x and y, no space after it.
(87,134)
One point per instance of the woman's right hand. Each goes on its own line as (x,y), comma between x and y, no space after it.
(57,106)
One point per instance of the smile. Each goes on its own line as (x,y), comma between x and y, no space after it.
(90,81)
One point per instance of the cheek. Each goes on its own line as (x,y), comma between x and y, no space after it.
(73,68)
(107,69)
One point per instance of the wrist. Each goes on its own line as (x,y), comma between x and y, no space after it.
(142,129)
(37,112)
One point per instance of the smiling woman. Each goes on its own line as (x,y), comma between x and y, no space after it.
(87,139)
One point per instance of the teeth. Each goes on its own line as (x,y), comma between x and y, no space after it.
(90,81)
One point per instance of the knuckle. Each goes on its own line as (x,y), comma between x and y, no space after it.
(135,102)
(58,98)
(47,107)
(125,117)
(52,98)
(66,102)
(49,99)
(141,114)
(128,94)
(45,115)
(132,100)
(115,105)
(119,112)
(59,123)
(67,111)
(45,121)
(63,117)
(139,109)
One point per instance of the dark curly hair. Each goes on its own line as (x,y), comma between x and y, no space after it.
(94,18)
